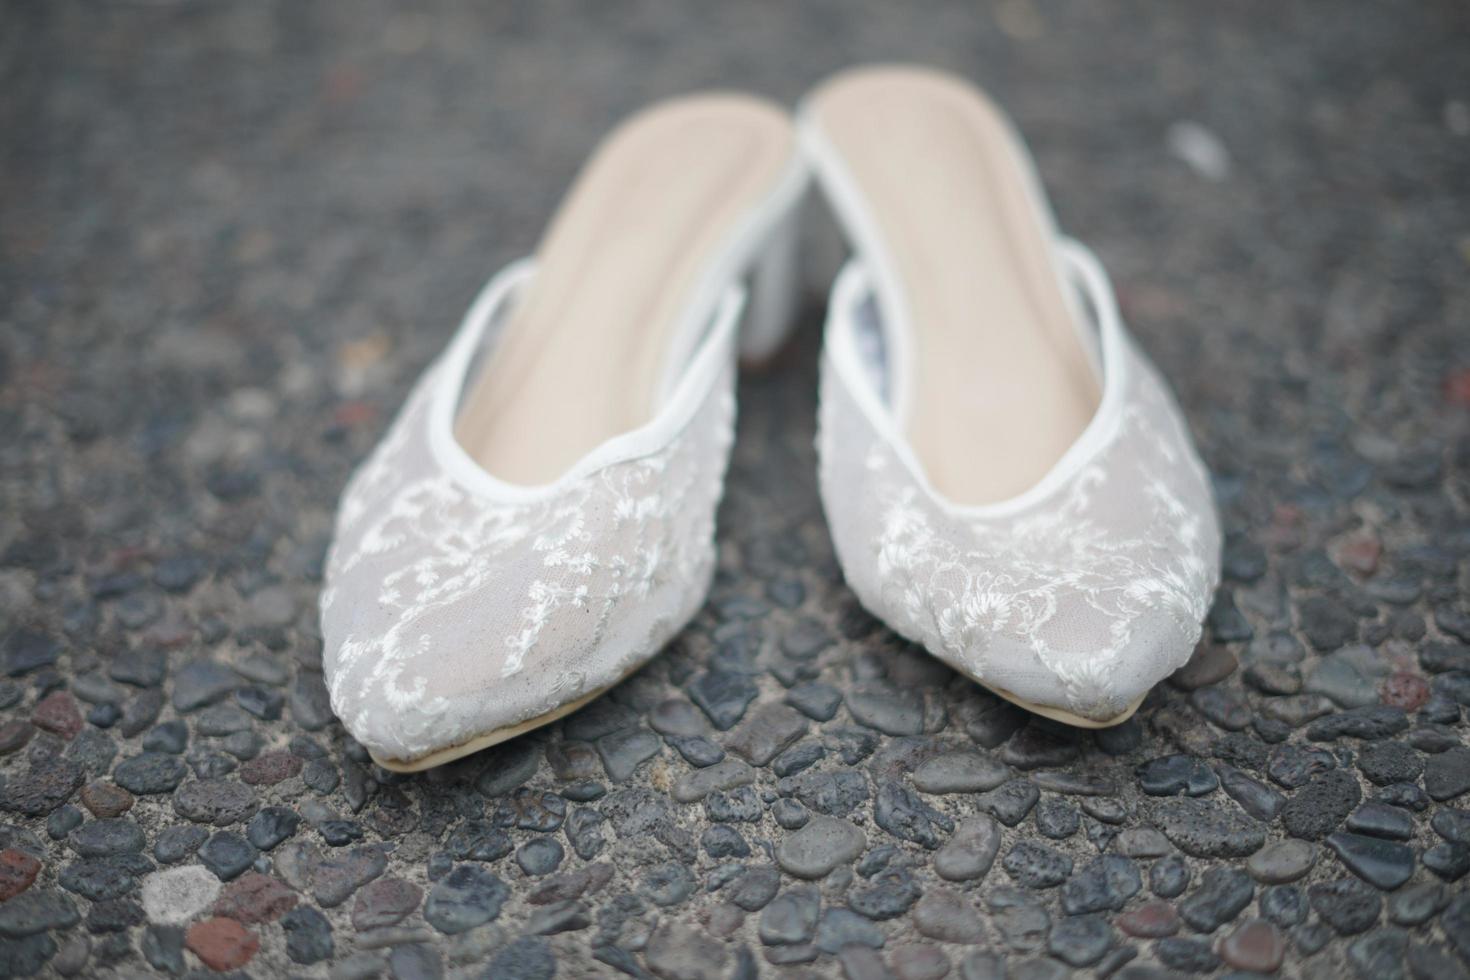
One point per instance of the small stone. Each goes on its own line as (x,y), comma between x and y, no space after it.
(960,772)
(1452,824)
(1327,623)
(1039,746)
(675,951)
(755,887)
(1295,711)
(790,814)
(414,961)
(101,838)
(1175,774)
(1168,877)
(889,710)
(1293,766)
(1141,842)
(819,847)
(738,805)
(223,944)
(1381,820)
(1273,679)
(723,841)
(584,831)
(839,929)
(818,702)
(624,751)
(14,735)
(1254,796)
(1205,829)
(466,897)
(178,842)
(1319,807)
(905,815)
(558,917)
(254,898)
(696,749)
(695,786)
(18,871)
(308,935)
(58,712)
(1186,955)
(150,773)
(271,825)
(1447,775)
(892,893)
(799,757)
(102,879)
(1405,691)
(1369,723)
(1284,905)
(36,911)
(106,799)
(1256,945)
(201,683)
(227,854)
(1209,664)
(1381,953)
(791,918)
(1080,940)
(667,884)
(970,850)
(1390,762)
(1449,860)
(946,916)
(26,650)
(1348,906)
(723,696)
(1105,883)
(334,879)
(540,856)
(1416,904)
(1056,819)
(1035,865)
(170,737)
(1220,897)
(1151,920)
(1281,862)
(270,768)
(1382,863)
(1010,802)
(911,961)
(311,706)
(769,730)
(214,801)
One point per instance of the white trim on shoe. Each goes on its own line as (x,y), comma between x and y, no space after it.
(707,336)
(856,281)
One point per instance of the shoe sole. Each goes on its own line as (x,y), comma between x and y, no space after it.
(1066,717)
(441,756)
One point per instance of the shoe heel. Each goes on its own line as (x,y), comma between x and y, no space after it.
(775,293)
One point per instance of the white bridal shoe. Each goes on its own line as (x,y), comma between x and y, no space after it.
(538,520)
(1007,478)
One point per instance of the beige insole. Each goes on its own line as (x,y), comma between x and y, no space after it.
(1000,384)
(581,357)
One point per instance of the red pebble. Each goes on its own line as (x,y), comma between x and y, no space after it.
(17,870)
(223,944)
(1404,690)
(58,712)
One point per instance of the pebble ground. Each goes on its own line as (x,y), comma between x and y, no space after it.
(234,234)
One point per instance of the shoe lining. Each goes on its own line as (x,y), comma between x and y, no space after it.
(999,381)
(582,356)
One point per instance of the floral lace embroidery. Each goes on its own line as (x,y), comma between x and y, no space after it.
(622,551)
(1130,538)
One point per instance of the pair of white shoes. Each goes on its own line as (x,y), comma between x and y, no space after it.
(1007,479)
